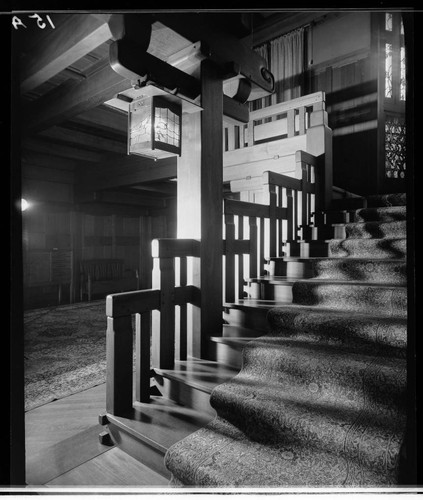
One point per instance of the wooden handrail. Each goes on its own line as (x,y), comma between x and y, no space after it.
(283,107)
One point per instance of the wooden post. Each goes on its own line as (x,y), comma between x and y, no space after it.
(142,342)
(119,347)
(230,258)
(211,202)
(319,144)
(164,335)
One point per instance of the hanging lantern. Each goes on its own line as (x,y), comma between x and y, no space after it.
(155,127)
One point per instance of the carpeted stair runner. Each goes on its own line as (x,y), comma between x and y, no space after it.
(320,400)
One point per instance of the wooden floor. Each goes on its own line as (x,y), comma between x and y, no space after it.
(63,449)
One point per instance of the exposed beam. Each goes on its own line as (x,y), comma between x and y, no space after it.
(77,36)
(72,100)
(119,198)
(95,208)
(166,188)
(126,171)
(105,118)
(82,139)
(61,150)
(47,160)
(222,48)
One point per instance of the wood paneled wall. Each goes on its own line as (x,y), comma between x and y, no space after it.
(349,80)
(54,221)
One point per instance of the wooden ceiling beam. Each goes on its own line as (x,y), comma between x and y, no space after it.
(78,35)
(81,139)
(105,118)
(81,96)
(126,171)
(61,150)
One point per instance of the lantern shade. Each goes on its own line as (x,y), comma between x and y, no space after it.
(155,127)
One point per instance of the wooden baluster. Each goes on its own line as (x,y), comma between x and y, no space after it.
(261,248)
(119,356)
(181,320)
(304,195)
(143,356)
(280,224)
(253,247)
(270,199)
(164,336)
(250,133)
(230,258)
(291,122)
(231,138)
(290,215)
(296,218)
(240,259)
(302,120)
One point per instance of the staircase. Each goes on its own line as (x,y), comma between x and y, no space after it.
(320,399)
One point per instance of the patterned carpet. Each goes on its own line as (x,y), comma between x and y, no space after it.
(321,399)
(65,351)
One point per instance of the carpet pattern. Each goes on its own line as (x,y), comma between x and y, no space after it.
(65,351)
(321,399)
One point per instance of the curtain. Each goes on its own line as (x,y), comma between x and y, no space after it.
(285,58)
(287,65)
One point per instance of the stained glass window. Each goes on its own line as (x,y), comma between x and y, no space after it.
(402,75)
(388,70)
(394,147)
(388,22)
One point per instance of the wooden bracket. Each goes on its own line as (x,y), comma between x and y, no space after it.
(221,48)
(102,419)
(129,61)
(105,439)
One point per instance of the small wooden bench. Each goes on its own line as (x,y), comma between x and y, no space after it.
(105,276)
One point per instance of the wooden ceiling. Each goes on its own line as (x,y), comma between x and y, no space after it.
(65,81)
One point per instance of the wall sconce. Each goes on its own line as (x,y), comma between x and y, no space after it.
(155,127)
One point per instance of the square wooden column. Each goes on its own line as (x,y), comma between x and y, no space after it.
(200,187)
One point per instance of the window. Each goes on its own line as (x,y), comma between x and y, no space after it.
(394,93)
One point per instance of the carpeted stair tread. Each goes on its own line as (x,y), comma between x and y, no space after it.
(316,394)
(364,269)
(317,325)
(354,268)
(374,229)
(387,200)
(221,455)
(386,214)
(321,397)
(378,248)
(356,296)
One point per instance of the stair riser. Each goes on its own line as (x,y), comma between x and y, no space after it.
(229,355)
(368,248)
(248,318)
(186,395)
(360,298)
(270,291)
(136,448)
(306,249)
(395,229)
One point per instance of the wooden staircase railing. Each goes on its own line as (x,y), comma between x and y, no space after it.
(257,232)
(157,319)
(170,278)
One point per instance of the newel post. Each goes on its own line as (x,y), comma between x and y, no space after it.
(119,349)
(319,144)
(163,348)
